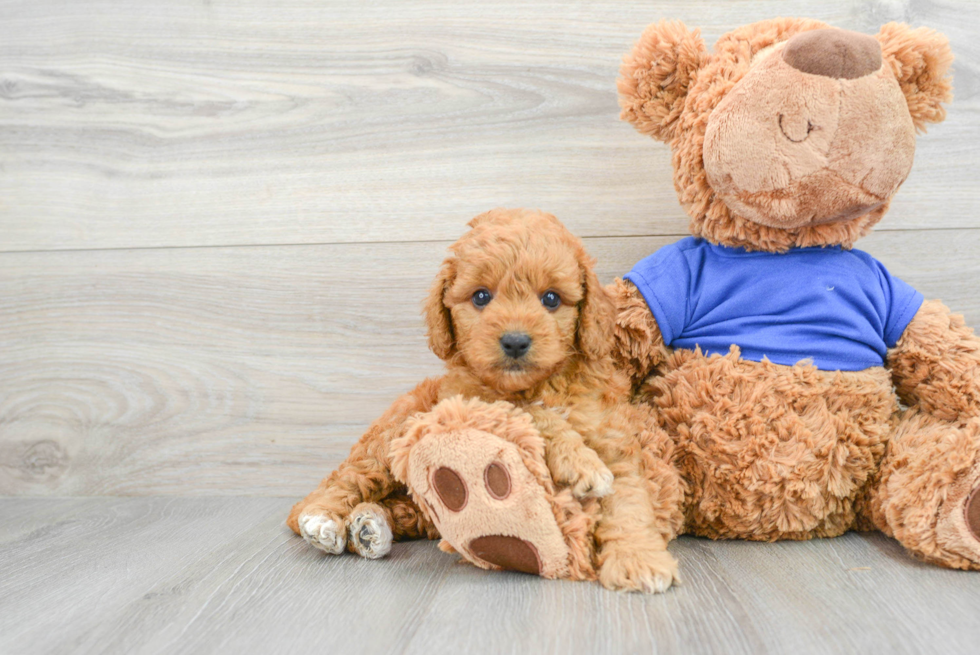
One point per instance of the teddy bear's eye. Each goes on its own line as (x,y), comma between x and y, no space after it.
(481,298)
(551,300)
(793,129)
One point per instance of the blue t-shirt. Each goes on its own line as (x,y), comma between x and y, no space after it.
(839,308)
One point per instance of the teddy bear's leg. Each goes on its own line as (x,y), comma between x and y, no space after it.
(478,471)
(927,494)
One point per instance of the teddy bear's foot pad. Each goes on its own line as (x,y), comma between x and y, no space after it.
(972,511)
(508,553)
(486,504)
(957,535)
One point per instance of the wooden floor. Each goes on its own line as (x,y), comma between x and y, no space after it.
(213,575)
(218,220)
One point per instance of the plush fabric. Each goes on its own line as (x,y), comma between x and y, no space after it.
(837,54)
(670,86)
(841,309)
(471,438)
(792,135)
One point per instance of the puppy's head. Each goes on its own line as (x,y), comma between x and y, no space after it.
(517,300)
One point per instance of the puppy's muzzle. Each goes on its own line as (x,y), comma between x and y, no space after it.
(515,344)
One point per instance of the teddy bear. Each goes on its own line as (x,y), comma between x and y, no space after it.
(804,390)
(808,391)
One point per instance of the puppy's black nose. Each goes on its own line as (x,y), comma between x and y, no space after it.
(515,344)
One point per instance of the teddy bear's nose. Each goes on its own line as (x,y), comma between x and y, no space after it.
(840,54)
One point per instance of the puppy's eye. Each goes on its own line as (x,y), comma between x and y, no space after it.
(551,300)
(481,298)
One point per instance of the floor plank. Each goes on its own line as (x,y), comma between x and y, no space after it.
(203,575)
(311,121)
(252,370)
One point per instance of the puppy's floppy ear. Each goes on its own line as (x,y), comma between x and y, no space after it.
(656,75)
(442,339)
(596,313)
(920,59)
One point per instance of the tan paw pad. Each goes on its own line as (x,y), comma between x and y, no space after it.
(450,488)
(497,480)
(958,524)
(508,553)
(486,503)
(972,511)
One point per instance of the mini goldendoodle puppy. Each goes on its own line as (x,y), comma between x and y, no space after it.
(518,315)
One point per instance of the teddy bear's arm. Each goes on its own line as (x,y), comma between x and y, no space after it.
(936,364)
(638,345)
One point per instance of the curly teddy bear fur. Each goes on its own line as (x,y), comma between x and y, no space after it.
(669,85)
(792,452)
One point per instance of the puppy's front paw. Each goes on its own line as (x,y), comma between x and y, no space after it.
(369,533)
(596,483)
(584,472)
(324,532)
(644,570)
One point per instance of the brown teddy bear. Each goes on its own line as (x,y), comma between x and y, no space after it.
(776,355)
(770,349)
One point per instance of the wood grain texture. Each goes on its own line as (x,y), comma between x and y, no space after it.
(251,370)
(311,121)
(206,575)
(217,222)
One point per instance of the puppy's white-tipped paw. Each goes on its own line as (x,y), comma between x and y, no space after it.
(646,572)
(369,534)
(595,484)
(323,532)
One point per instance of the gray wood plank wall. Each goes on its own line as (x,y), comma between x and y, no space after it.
(218,219)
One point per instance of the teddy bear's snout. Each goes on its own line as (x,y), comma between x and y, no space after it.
(835,53)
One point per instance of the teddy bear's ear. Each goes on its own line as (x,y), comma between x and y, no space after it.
(655,76)
(920,59)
